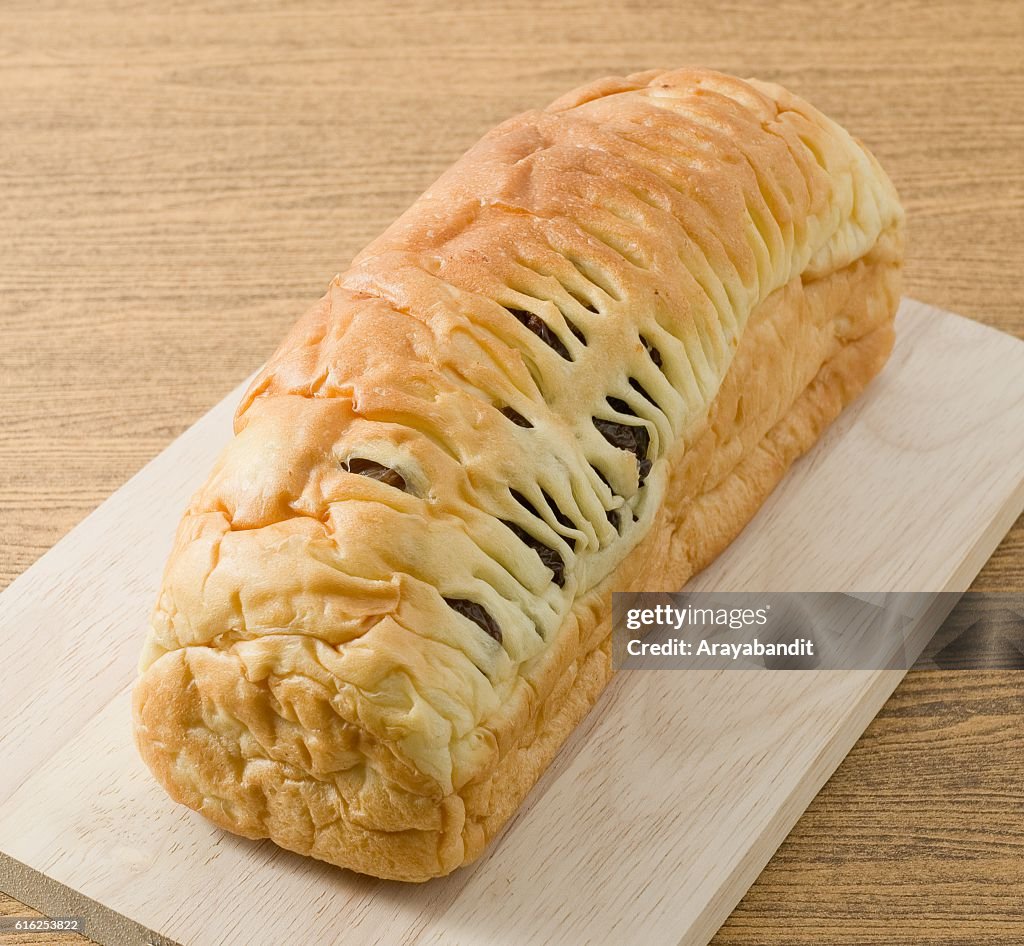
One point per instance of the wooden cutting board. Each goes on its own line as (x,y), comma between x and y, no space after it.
(668,799)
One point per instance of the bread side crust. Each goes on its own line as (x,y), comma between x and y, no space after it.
(809,349)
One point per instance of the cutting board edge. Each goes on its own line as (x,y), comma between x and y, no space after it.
(750,866)
(102,924)
(753,863)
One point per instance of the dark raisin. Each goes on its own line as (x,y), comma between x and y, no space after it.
(562,518)
(553,561)
(590,307)
(524,502)
(477,613)
(614,518)
(376,471)
(635,440)
(575,329)
(540,328)
(516,418)
(616,403)
(652,351)
(642,391)
(548,555)
(625,436)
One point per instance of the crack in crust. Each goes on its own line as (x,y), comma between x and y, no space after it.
(721,264)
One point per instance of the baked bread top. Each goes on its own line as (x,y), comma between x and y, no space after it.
(474,425)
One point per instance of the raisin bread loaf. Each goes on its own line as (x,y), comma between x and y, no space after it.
(577,364)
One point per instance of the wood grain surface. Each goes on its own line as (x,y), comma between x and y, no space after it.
(179,180)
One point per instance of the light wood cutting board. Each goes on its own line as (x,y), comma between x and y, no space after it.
(667,801)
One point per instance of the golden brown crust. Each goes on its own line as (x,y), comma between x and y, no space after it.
(712,255)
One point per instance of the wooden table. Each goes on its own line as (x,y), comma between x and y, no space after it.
(176,186)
